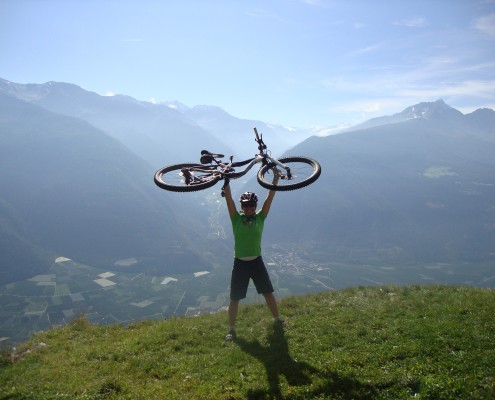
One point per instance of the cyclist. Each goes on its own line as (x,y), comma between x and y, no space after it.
(247,226)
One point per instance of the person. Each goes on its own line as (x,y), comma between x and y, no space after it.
(247,226)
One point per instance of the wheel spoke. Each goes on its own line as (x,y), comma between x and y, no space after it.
(303,171)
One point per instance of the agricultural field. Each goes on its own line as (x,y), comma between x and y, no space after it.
(71,289)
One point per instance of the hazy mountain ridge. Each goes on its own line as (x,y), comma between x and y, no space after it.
(238,133)
(417,186)
(72,190)
(422,189)
(154,132)
(158,133)
(482,120)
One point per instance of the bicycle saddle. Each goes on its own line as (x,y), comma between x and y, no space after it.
(207,157)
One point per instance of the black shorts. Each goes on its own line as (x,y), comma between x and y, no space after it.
(245,270)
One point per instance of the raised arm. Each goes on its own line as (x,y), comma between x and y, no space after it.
(271,194)
(229,200)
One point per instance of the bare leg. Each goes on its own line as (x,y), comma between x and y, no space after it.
(233,307)
(272,304)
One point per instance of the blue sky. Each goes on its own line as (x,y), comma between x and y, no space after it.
(304,63)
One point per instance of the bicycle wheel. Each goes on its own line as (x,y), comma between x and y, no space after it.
(304,171)
(186,177)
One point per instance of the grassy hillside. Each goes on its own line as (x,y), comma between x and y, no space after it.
(428,342)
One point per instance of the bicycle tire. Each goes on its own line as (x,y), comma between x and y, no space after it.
(169,178)
(304,172)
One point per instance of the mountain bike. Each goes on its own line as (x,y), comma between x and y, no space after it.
(294,172)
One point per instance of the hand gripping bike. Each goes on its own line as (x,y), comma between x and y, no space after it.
(294,172)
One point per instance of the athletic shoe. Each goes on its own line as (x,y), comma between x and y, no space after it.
(231,335)
(280,322)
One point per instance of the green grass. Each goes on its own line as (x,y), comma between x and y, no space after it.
(426,342)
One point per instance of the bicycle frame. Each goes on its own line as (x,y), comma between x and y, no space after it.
(226,170)
(191,177)
(259,158)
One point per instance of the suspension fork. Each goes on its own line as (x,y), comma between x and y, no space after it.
(187,175)
(226,179)
(282,166)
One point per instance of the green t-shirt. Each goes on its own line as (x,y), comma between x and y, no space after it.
(247,234)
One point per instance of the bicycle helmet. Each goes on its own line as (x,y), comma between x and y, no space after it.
(248,197)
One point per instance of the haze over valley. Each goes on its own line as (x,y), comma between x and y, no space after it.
(404,198)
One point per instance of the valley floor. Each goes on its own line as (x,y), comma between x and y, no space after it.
(71,289)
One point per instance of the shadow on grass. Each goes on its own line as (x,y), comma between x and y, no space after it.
(278,362)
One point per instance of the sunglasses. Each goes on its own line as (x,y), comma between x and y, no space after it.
(248,205)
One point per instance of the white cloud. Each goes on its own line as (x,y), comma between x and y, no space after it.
(470,109)
(390,94)
(317,130)
(367,49)
(414,22)
(313,2)
(359,25)
(486,24)
(372,106)
(468,88)
(437,76)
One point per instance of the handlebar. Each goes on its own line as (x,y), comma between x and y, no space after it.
(259,140)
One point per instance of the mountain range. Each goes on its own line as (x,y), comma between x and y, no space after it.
(418,186)
(76,181)
(155,132)
(69,189)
